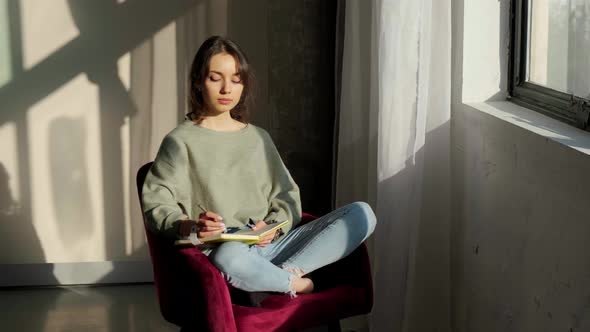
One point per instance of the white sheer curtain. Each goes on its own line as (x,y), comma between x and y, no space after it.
(394,152)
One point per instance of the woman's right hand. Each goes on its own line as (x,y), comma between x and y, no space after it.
(209,223)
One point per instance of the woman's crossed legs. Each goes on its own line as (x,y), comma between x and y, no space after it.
(279,267)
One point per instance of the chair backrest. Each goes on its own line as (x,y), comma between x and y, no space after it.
(139,180)
(141,174)
(160,256)
(180,276)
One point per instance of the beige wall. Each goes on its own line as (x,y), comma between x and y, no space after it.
(87,94)
(89,89)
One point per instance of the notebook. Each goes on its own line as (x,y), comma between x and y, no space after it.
(247,236)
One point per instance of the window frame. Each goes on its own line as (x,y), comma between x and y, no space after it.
(556,104)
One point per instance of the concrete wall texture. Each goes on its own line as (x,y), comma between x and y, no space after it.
(521,255)
(520,249)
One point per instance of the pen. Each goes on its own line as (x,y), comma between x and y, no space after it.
(201,207)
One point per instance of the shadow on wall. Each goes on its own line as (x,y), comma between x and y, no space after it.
(16,230)
(69,180)
(107,31)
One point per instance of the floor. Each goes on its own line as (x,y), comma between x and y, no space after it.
(105,309)
(128,308)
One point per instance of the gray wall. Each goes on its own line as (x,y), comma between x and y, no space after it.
(292,47)
(521,254)
(301,93)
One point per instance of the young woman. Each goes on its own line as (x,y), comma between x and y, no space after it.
(216,170)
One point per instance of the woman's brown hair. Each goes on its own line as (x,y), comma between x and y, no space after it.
(200,69)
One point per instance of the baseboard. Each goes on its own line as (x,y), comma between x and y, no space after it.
(87,273)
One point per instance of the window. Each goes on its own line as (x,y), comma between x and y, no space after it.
(549,68)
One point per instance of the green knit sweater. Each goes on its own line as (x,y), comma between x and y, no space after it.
(238,174)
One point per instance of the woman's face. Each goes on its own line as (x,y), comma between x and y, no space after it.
(223,85)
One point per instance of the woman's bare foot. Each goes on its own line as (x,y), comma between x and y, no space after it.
(302,285)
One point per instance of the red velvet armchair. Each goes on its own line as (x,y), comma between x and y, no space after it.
(193,294)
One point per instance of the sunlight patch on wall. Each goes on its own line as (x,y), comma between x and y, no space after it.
(65,154)
(68,274)
(125,170)
(46,27)
(9,175)
(124,70)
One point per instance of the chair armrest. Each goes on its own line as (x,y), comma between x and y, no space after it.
(207,291)
(353,271)
(306,217)
(365,276)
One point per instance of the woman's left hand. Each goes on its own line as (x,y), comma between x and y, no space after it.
(266,240)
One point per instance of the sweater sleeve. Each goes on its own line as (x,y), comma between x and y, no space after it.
(284,199)
(163,186)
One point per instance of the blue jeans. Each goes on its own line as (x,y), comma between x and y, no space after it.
(305,248)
